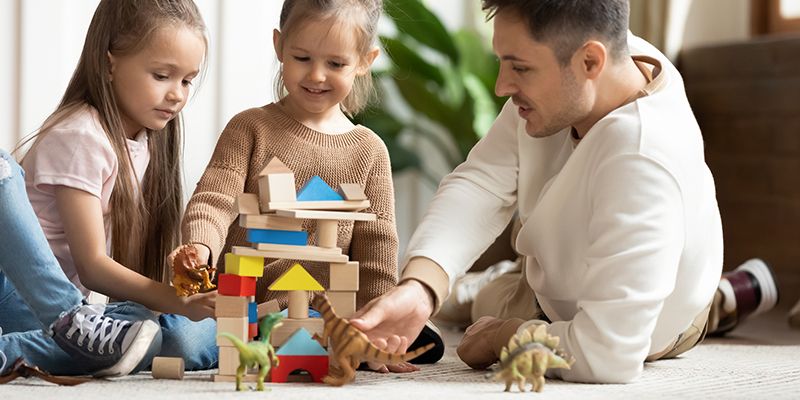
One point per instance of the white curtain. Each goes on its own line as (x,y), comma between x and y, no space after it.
(661,22)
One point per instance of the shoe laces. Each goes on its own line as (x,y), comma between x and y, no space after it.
(95,326)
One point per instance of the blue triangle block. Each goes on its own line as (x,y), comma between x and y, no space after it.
(317,190)
(301,344)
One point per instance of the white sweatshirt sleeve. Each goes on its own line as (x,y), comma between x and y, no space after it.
(474,203)
(636,234)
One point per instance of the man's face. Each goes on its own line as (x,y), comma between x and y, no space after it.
(547,95)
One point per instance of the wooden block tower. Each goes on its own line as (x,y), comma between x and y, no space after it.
(273,219)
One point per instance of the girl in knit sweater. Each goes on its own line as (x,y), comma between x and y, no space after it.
(326,49)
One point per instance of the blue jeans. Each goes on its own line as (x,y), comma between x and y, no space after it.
(195,342)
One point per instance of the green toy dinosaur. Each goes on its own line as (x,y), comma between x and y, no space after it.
(259,354)
(528,356)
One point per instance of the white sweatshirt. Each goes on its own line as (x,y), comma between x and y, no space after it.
(622,232)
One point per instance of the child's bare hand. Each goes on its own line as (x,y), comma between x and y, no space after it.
(199,306)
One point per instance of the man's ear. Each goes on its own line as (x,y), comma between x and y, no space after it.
(112,62)
(276,39)
(592,58)
(367,61)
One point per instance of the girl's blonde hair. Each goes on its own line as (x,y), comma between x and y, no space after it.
(145,222)
(362,15)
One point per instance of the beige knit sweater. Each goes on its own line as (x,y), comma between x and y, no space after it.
(249,141)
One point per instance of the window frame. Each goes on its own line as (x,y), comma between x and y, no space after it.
(767,18)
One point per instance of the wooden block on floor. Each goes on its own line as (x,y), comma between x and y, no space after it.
(335,215)
(352,191)
(247,204)
(344,277)
(317,205)
(343,303)
(231,306)
(296,238)
(238,327)
(282,333)
(267,308)
(232,378)
(236,264)
(168,368)
(290,248)
(303,255)
(228,360)
(236,285)
(270,221)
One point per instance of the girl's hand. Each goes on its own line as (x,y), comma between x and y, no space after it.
(199,306)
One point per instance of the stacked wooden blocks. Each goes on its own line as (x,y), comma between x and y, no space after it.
(274,223)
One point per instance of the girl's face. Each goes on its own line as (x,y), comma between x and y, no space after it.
(152,85)
(320,61)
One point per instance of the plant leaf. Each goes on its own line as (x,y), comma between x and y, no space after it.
(414,19)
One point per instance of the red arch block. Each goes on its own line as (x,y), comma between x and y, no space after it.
(316,366)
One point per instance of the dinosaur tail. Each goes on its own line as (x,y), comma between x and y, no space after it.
(376,354)
(240,345)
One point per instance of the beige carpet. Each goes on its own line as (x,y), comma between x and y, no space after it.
(728,368)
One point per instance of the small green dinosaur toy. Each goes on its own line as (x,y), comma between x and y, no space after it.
(528,356)
(259,354)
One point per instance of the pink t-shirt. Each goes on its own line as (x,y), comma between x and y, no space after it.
(76,153)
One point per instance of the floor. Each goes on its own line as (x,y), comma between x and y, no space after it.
(761,359)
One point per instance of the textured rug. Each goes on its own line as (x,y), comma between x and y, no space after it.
(713,370)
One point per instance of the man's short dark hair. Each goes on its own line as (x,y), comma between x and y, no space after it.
(565,25)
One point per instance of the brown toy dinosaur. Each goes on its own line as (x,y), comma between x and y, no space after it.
(189,276)
(349,346)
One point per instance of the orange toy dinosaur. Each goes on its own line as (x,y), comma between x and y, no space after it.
(189,276)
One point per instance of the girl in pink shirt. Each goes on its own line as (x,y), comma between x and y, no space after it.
(103,174)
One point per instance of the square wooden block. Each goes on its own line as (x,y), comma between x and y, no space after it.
(344,277)
(231,307)
(228,360)
(238,327)
(343,303)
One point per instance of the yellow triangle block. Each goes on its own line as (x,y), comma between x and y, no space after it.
(296,278)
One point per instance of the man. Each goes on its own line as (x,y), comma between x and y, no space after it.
(600,153)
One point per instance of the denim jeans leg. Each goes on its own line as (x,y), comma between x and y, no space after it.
(15,315)
(195,342)
(25,256)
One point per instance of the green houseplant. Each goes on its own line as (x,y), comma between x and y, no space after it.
(444,81)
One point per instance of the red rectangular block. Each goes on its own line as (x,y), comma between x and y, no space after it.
(235,285)
(253,329)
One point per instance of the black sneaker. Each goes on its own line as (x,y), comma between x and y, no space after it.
(749,290)
(106,346)
(430,334)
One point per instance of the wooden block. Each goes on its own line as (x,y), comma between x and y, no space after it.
(352,191)
(296,238)
(304,255)
(317,205)
(298,304)
(270,221)
(167,368)
(343,303)
(267,308)
(252,329)
(344,277)
(238,327)
(316,366)
(236,264)
(327,233)
(247,204)
(228,360)
(296,278)
(231,307)
(337,215)
(276,188)
(236,285)
(252,312)
(290,248)
(316,189)
(232,378)
(282,333)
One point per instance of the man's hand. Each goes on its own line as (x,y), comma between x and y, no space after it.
(482,342)
(395,319)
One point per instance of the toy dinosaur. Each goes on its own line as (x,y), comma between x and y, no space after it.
(189,276)
(349,346)
(528,356)
(259,354)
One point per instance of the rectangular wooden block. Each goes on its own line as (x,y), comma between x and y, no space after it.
(291,248)
(236,285)
(268,307)
(247,203)
(228,360)
(282,333)
(238,327)
(352,191)
(276,187)
(236,264)
(277,237)
(252,312)
(335,215)
(253,329)
(343,303)
(303,254)
(344,276)
(231,306)
(317,205)
(270,221)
